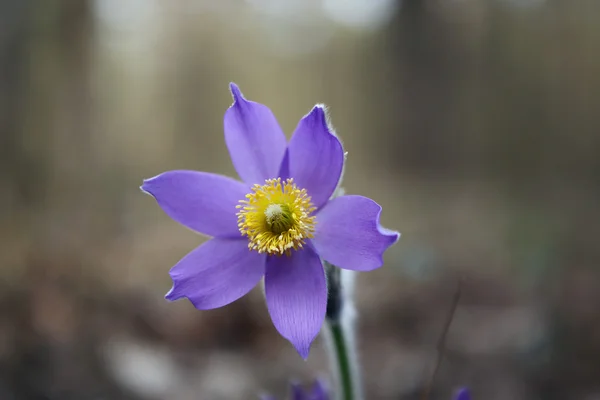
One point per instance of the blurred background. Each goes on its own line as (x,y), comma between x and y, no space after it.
(474,123)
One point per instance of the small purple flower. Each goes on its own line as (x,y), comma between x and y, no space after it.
(318,392)
(463,394)
(277,224)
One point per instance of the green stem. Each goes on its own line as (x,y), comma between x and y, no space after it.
(340,344)
(340,347)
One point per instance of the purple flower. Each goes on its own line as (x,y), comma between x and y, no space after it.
(463,394)
(318,392)
(278,223)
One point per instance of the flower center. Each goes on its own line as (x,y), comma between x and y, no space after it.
(276,217)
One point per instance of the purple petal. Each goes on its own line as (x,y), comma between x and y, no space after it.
(217,273)
(348,233)
(315,156)
(319,391)
(255,141)
(463,394)
(201,201)
(297,391)
(296,295)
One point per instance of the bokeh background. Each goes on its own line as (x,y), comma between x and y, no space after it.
(474,123)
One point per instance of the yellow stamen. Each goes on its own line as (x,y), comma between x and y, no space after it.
(276,217)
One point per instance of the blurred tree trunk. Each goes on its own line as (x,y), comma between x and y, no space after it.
(14,167)
(44,92)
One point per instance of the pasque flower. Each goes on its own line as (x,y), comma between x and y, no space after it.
(318,392)
(463,394)
(277,223)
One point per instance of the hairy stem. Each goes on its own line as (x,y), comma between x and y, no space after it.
(340,335)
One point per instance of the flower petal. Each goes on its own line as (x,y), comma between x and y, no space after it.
(319,392)
(348,234)
(296,295)
(201,201)
(217,273)
(255,141)
(297,391)
(315,156)
(463,394)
